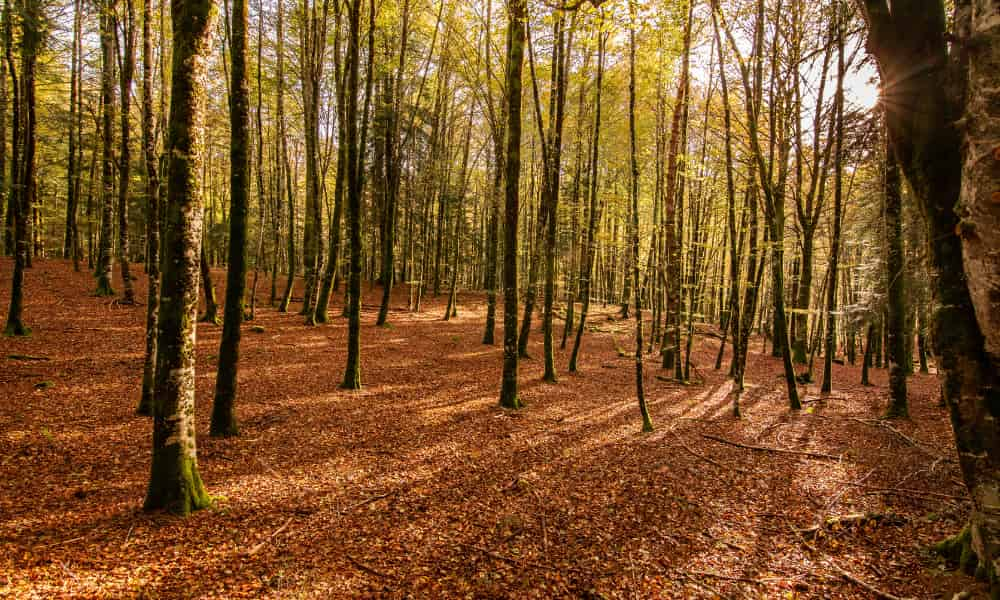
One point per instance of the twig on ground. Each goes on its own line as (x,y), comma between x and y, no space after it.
(817,455)
(366,501)
(264,542)
(901,491)
(357,563)
(523,562)
(67,570)
(726,577)
(861,582)
(923,447)
(709,459)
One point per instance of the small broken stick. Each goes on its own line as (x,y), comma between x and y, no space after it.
(357,563)
(264,542)
(862,583)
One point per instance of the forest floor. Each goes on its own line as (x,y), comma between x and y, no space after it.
(420,486)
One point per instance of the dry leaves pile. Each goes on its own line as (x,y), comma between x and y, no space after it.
(420,486)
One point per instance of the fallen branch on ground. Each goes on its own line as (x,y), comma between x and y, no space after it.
(364,502)
(523,562)
(861,582)
(850,520)
(710,460)
(817,455)
(26,357)
(357,563)
(725,577)
(263,543)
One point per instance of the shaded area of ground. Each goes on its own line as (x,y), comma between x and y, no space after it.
(419,485)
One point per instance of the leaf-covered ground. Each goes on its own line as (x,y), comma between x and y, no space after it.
(419,486)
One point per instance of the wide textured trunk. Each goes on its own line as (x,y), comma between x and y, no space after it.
(174,482)
(947,172)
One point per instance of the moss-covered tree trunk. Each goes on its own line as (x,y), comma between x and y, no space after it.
(517,13)
(955,180)
(72,164)
(223,407)
(285,172)
(152,215)
(174,482)
(352,370)
(106,19)
(125,153)
(30,41)
(897,289)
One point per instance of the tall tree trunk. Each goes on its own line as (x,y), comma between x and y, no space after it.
(947,172)
(590,247)
(895,267)
(838,186)
(125,154)
(647,423)
(23,114)
(106,18)
(174,481)
(223,407)
(352,371)
(284,183)
(517,10)
(72,167)
(152,216)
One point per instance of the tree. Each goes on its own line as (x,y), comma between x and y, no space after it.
(106,18)
(352,370)
(647,423)
(838,192)
(152,216)
(897,289)
(23,138)
(947,168)
(223,407)
(127,61)
(174,481)
(72,234)
(517,13)
(590,244)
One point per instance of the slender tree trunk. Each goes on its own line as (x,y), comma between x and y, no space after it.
(831,298)
(223,407)
(106,18)
(30,42)
(125,154)
(590,248)
(647,423)
(352,371)
(517,10)
(896,285)
(152,216)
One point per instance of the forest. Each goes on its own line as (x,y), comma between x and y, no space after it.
(500,299)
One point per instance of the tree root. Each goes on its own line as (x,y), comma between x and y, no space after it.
(957,551)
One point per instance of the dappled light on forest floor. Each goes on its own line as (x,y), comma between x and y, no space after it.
(420,485)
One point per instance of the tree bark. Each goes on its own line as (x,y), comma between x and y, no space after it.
(174,482)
